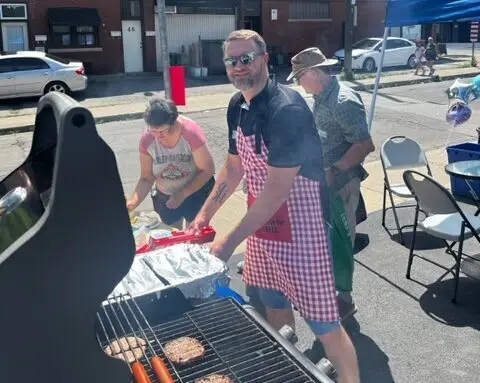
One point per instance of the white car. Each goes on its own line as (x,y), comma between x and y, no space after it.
(366,53)
(31,74)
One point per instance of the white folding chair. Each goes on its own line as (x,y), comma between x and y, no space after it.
(399,153)
(444,219)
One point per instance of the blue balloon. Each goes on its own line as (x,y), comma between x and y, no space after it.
(460,91)
(458,114)
(475,88)
(476,82)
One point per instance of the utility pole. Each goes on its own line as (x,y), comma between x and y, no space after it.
(347,65)
(162,26)
(242,14)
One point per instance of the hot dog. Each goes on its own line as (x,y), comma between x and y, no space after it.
(139,373)
(161,370)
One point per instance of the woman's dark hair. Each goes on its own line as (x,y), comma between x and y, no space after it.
(160,112)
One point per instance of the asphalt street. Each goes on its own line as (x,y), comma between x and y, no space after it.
(416,111)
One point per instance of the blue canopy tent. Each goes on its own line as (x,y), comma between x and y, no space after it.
(410,12)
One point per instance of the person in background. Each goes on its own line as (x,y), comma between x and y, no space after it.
(274,143)
(431,55)
(341,120)
(175,158)
(420,59)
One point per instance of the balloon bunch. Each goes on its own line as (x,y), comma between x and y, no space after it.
(462,94)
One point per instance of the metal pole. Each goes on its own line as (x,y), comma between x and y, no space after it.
(347,65)
(377,80)
(473,52)
(162,26)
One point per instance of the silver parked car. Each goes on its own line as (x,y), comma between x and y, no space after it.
(31,73)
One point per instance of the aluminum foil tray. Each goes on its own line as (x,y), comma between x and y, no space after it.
(189,267)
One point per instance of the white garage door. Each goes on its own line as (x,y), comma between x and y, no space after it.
(185,29)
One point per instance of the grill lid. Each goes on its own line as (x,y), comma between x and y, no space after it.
(52,278)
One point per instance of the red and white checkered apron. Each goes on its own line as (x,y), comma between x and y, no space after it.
(290,253)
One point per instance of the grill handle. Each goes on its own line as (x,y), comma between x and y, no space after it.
(291,349)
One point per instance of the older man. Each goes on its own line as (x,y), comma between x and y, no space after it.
(341,120)
(274,143)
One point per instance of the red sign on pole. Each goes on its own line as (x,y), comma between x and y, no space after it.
(474,31)
(177,79)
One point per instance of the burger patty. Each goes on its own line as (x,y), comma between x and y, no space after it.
(130,347)
(184,350)
(215,378)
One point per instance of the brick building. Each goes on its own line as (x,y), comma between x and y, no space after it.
(293,25)
(114,36)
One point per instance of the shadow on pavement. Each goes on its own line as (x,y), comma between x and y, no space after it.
(423,241)
(361,242)
(373,362)
(437,304)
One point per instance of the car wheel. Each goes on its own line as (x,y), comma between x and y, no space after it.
(411,62)
(369,65)
(56,86)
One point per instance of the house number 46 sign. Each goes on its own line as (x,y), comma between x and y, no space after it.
(131,29)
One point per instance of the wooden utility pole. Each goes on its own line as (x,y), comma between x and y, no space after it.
(347,65)
(162,26)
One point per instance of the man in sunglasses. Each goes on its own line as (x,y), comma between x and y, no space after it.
(274,143)
(341,120)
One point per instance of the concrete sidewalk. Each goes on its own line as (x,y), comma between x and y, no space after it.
(372,190)
(201,100)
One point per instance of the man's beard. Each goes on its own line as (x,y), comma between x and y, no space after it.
(247,82)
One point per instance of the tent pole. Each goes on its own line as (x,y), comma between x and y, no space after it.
(377,79)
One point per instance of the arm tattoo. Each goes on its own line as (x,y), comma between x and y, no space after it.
(220,194)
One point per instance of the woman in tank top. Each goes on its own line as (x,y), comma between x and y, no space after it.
(175,159)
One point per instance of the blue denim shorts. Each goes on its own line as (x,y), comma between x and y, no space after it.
(276,300)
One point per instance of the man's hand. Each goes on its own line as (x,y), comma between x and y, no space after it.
(223,248)
(200,222)
(175,200)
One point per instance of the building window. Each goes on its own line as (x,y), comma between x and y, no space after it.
(86,35)
(66,36)
(204,11)
(13,11)
(309,10)
(131,9)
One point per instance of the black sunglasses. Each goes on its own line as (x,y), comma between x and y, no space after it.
(245,59)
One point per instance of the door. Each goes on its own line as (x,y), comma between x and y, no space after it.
(404,51)
(31,75)
(391,53)
(132,45)
(183,30)
(7,78)
(14,37)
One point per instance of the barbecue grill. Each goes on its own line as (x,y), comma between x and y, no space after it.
(238,343)
(62,263)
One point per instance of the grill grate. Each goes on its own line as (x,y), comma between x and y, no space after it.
(235,345)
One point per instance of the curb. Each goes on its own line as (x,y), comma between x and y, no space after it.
(392,84)
(356,87)
(98,120)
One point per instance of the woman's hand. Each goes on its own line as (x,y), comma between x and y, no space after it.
(175,200)
(131,205)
